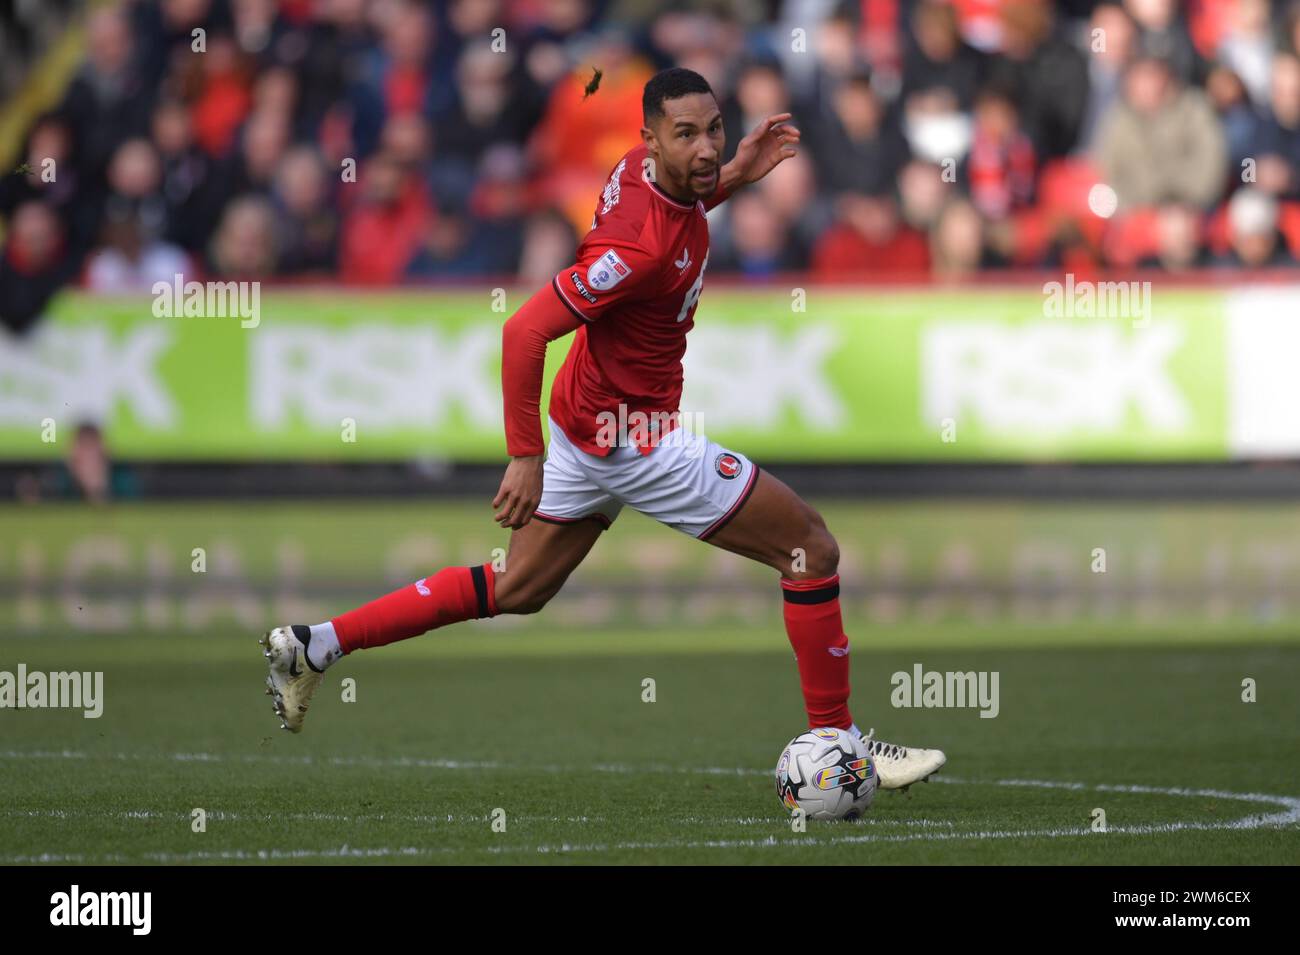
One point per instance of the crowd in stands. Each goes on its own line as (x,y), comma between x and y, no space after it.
(381,142)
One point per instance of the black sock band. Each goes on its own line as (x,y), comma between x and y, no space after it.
(479,575)
(819,596)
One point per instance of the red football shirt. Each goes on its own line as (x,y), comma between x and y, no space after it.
(635,285)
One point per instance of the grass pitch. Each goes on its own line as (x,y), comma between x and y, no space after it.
(548,732)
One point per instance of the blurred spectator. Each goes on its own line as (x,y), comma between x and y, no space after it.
(1163,33)
(855,144)
(445,247)
(869,240)
(580,140)
(760,91)
(52,177)
(484,233)
(217,84)
(468,143)
(394,78)
(957,242)
(1112,44)
(1243,125)
(308,233)
(1178,238)
(832,52)
(456,243)
(165,27)
(87,474)
(189,185)
(1290,39)
(275,91)
(936,128)
(262,145)
(938,57)
(405,141)
(1000,167)
(549,243)
(491,105)
(790,190)
(134,183)
(257,25)
(1247,48)
(131,259)
(923,193)
(560,20)
(1254,236)
(1162,142)
(760,243)
(35,264)
(88,467)
(108,101)
(244,244)
(326,56)
(381,234)
(1047,77)
(1278,147)
(549,27)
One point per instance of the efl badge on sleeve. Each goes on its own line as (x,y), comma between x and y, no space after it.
(607,271)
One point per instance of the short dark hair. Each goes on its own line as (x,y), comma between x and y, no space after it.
(670,84)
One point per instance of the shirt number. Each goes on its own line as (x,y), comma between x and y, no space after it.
(693,293)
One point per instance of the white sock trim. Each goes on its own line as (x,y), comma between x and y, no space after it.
(324,648)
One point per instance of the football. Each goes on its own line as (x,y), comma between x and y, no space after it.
(826,773)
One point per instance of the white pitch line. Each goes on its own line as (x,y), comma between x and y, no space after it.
(391,762)
(1289,815)
(365,761)
(218,815)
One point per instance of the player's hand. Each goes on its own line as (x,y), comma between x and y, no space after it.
(520,492)
(771,143)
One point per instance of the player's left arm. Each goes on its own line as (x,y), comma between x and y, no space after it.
(771,143)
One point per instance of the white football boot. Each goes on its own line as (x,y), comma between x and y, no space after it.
(291,681)
(897,767)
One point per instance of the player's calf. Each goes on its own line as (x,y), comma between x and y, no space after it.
(514,595)
(298,655)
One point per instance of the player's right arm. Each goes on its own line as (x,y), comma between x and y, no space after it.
(541,320)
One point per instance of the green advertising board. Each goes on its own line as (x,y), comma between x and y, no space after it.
(799,375)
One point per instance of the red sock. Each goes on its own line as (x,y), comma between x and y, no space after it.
(812,621)
(451,595)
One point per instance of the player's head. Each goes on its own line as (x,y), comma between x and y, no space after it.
(683,131)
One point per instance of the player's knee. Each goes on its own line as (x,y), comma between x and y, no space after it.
(821,553)
(824,560)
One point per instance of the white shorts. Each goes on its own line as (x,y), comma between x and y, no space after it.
(688,482)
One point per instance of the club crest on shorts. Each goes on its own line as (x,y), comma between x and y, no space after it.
(607,271)
(727,465)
